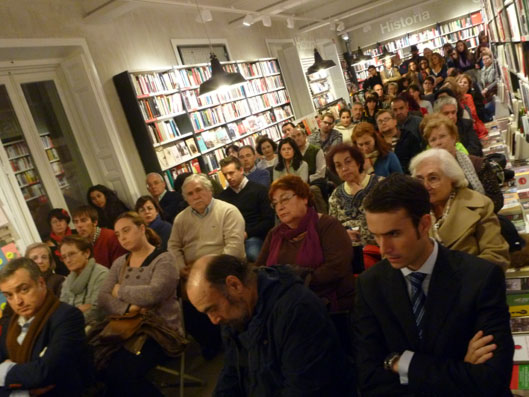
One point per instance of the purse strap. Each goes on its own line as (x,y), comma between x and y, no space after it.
(124,269)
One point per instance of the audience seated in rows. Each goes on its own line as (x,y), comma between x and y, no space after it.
(346,125)
(326,136)
(317,244)
(105,245)
(406,121)
(379,159)
(142,281)
(290,161)
(278,336)
(371,107)
(462,219)
(40,253)
(251,199)
(389,72)
(43,347)
(266,147)
(81,287)
(427,319)
(106,203)
(150,211)
(248,159)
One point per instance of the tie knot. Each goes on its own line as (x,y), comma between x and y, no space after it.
(416,278)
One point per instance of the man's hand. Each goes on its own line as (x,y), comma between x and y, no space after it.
(85,307)
(480,349)
(115,291)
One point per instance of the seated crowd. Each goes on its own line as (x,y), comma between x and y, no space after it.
(384,218)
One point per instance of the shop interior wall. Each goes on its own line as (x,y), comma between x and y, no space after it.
(140,39)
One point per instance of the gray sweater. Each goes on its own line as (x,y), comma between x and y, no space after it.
(153,285)
(82,288)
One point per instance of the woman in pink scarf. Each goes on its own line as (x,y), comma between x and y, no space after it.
(316,245)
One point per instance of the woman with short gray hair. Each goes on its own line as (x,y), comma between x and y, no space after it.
(462,219)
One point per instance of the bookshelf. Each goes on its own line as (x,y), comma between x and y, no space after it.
(509,35)
(176,130)
(465,27)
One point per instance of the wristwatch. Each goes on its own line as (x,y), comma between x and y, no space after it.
(390,360)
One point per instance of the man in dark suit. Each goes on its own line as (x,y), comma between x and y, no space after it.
(43,347)
(428,320)
(171,202)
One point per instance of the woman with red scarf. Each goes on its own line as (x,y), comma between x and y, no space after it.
(58,219)
(316,245)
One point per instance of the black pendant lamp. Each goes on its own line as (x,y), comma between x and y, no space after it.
(219,78)
(319,63)
(360,56)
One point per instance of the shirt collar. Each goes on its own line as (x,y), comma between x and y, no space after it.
(427,267)
(242,185)
(22,322)
(206,212)
(161,195)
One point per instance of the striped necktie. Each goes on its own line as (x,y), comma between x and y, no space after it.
(418,298)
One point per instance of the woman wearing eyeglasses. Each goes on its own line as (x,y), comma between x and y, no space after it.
(462,219)
(81,287)
(317,244)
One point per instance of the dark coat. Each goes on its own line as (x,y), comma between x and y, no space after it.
(468,137)
(407,147)
(172,203)
(66,362)
(163,229)
(290,347)
(466,294)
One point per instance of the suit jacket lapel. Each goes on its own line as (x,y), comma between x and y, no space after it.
(399,301)
(443,292)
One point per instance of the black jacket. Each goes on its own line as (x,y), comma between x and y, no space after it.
(172,203)
(407,147)
(60,357)
(468,137)
(466,294)
(290,347)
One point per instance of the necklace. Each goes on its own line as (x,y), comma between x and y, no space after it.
(439,221)
(96,235)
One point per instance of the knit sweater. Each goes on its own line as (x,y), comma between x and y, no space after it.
(84,287)
(220,231)
(107,248)
(153,284)
(254,205)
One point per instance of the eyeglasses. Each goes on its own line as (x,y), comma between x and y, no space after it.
(432,180)
(384,120)
(282,200)
(65,257)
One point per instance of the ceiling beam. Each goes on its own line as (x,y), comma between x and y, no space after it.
(109,11)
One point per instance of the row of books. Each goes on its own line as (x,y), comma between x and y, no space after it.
(249,70)
(16,149)
(259,103)
(255,86)
(162,131)
(21,164)
(322,100)
(196,75)
(172,155)
(162,105)
(515,56)
(212,159)
(274,82)
(192,99)
(278,97)
(33,192)
(219,115)
(150,83)
(319,87)
(212,138)
(192,166)
(57,167)
(27,177)
(46,141)
(283,113)
(269,67)
(461,23)
(52,154)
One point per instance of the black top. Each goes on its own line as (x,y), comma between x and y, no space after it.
(172,203)
(254,205)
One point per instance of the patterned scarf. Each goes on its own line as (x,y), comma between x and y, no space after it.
(310,254)
(470,172)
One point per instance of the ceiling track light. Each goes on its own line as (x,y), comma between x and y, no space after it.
(267,21)
(248,20)
(320,64)
(340,27)
(206,15)
(290,23)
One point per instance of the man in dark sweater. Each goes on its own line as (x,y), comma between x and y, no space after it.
(248,158)
(252,201)
(171,202)
(405,120)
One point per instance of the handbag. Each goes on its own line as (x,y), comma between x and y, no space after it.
(121,327)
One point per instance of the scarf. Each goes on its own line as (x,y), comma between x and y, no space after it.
(80,281)
(470,172)
(439,222)
(57,239)
(310,254)
(21,354)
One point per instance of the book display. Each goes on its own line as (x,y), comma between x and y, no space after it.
(465,27)
(509,34)
(320,89)
(176,130)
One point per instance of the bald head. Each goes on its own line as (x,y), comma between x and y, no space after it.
(196,283)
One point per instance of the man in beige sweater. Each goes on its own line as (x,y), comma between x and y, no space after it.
(206,227)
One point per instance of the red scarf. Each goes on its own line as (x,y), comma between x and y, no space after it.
(57,239)
(310,254)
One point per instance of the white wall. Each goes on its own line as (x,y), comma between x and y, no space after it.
(137,40)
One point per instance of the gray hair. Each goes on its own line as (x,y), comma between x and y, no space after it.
(198,178)
(33,246)
(447,163)
(155,174)
(20,263)
(443,101)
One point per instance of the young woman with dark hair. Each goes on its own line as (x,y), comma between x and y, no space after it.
(290,161)
(107,204)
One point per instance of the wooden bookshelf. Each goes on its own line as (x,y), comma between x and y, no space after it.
(176,130)
(465,27)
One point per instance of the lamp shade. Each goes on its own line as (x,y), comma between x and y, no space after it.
(319,63)
(360,56)
(219,78)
